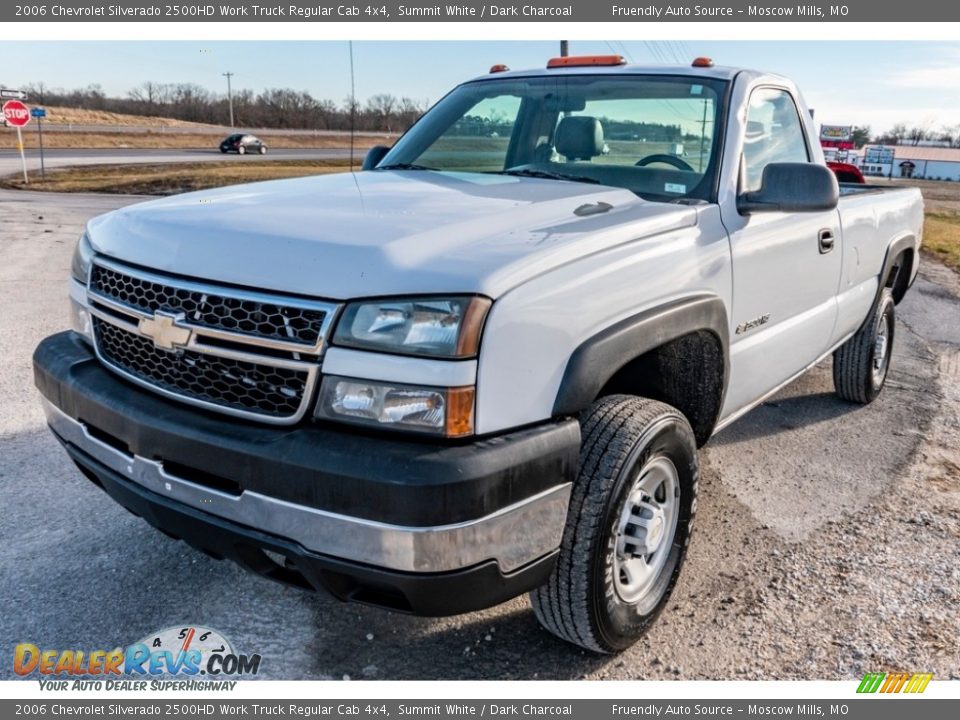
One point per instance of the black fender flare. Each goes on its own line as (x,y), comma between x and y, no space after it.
(599,357)
(904,242)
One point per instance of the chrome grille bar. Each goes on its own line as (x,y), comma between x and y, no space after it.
(236,362)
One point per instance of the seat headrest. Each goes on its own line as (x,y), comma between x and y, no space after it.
(579,137)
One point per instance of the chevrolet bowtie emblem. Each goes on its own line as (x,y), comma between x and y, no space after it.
(164,331)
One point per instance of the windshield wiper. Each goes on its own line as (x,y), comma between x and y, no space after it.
(404,166)
(529,172)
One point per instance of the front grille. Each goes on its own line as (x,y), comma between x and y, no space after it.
(251,387)
(246,316)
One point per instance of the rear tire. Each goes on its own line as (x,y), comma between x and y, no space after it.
(629,522)
(241,150)
(263,149)
(861,364)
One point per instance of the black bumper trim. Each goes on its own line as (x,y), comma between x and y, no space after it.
(434,594)
(391,479)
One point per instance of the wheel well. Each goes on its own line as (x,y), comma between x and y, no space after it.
(898,279)
(687,373)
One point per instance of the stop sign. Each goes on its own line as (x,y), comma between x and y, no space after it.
(16,113)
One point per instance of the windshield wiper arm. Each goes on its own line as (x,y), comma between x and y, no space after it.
(528,172)
(403,166)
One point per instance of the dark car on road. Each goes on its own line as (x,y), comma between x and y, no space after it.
(243,144)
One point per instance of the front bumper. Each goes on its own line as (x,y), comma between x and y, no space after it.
(427,527)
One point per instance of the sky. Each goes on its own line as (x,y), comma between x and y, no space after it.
(847,83)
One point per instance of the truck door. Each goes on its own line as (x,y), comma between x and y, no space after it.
(786,266)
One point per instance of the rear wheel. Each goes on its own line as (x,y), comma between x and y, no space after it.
(263,149)
(242,150)
(861,364)
(628,525)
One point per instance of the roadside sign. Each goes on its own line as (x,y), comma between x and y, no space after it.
(8,93)
(878,155)
(16,113)
(40,113)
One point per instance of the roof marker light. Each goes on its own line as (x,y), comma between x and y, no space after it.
(585,61)
(703,62)
(498,68)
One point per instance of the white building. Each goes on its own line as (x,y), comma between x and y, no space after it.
(929,163)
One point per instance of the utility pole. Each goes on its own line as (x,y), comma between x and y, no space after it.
(564,48)
(229,75)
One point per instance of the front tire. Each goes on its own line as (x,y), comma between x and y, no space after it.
(629,522)
(263,149)
(241,150)
(861,364)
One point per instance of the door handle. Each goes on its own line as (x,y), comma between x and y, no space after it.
(825,240)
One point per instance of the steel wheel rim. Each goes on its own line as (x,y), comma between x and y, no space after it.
(881,350)
(646,529)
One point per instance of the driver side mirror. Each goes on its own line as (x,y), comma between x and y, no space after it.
(374,156)
(792,187)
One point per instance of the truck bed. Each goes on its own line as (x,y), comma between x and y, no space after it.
(848,189)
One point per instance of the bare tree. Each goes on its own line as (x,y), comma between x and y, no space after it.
(899,133)
(381,108)
(950,134)
(274,107)
(918,134)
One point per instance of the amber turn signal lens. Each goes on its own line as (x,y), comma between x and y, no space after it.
(460,405)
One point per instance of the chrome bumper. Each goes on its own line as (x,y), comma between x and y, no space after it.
(513,536)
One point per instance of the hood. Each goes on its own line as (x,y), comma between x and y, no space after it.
(353,235)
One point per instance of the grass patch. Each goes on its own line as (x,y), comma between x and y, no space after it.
(173,178)
(941,238)
(83,116)
(156,139)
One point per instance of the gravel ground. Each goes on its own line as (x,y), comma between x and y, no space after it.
(826,542)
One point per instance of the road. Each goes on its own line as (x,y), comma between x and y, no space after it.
(826,542)
(10,159)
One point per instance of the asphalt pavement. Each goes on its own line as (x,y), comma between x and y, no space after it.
(61,157)
(826,543)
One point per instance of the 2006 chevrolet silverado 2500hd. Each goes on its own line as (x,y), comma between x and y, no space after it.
(483,365)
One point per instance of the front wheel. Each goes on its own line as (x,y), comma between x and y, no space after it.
(629,522)
(263,149)
(241,150)
(861,364)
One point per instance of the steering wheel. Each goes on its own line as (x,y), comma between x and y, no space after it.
(672,160)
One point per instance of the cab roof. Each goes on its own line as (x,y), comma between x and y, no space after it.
(717,72)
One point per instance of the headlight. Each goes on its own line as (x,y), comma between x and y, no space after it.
(438,411)
(82,258)
(435,327)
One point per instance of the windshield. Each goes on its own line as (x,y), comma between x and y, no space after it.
(653,135)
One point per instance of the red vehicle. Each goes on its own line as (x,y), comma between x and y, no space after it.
(847,173)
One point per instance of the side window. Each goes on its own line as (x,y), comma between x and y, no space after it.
(774,134)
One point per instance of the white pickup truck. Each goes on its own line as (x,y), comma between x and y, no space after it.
(483,365)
